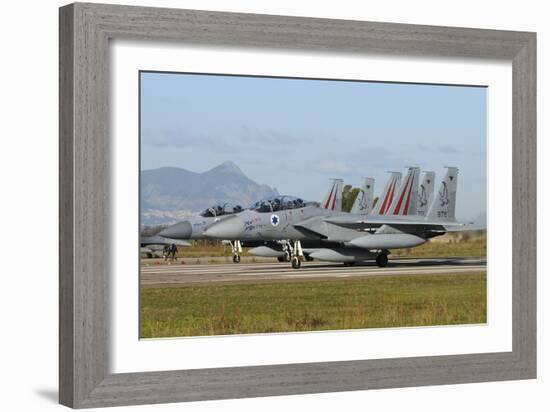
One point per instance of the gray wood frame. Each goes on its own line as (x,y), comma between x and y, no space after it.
(85,31)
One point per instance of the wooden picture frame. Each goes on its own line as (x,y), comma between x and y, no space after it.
(85,31)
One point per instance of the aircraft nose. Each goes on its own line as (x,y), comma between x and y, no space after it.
(181,230)
(228,229)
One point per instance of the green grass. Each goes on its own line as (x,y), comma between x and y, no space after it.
(449,248)
(377,302)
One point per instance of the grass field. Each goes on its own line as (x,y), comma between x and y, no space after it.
(375,302)
(447,247)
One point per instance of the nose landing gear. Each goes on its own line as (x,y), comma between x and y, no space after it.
(297,253)
(236,249)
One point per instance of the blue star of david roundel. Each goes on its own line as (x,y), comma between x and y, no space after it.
(274,220)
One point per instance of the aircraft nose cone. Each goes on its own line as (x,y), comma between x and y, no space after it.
(228,229)
(181,230)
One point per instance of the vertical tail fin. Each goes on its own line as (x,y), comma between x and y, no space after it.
(406,200)
(444,202)
(333,198)
(425,193)
(385,200)
(363,202)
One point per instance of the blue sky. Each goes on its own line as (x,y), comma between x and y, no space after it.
(294,134)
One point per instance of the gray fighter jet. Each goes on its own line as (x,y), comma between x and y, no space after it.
(379,234)
(347,238)
(362,205)
(194,226)
(273,221)
(153,246)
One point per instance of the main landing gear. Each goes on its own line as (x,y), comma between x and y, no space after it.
(382,259)
(287,249)
(236,249)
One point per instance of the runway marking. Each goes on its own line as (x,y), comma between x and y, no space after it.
(192,274)
(230,267)
(339,270)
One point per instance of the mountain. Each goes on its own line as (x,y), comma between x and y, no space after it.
(170,193)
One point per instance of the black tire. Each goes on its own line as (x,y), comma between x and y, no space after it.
(308,258)
(349,264)
(281,258)
(382,260)
(296,263)
(236,259)
(286,257)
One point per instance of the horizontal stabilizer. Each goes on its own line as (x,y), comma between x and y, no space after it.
(160,240)
(350,222)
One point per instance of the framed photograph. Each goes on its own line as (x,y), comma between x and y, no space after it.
(259,205)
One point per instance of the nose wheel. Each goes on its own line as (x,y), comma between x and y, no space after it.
(297,253)
(236,249)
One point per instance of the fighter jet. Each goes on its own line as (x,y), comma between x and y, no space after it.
(194,226)
(336,245)
(304,234)
(362,205)
(304,231)
(345,237)
(153,246)
(274,220)
(379,234)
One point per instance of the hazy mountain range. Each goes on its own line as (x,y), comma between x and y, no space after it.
(170,193)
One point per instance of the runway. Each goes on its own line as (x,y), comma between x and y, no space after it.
(188,274)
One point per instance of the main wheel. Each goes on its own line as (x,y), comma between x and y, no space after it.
(382,260)
(308,258)
(349,264)
(296,263)
(236,258)
(281,258)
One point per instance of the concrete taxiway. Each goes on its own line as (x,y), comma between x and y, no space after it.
(188,274)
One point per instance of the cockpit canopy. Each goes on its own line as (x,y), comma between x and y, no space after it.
(222,209)
(277,203)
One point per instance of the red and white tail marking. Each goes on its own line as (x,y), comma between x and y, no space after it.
(333,199)
(408,186)
(386,207)
(330,197)
(404,203)
(386,198)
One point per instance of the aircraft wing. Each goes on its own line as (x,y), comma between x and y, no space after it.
(160,240)
(317,228)
(313,227)
(363,222)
